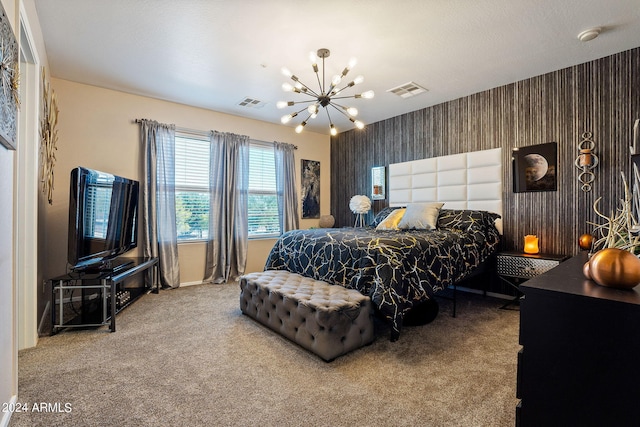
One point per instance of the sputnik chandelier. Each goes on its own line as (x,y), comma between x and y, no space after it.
(325,97)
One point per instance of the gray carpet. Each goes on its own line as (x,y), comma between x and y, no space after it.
(188,357)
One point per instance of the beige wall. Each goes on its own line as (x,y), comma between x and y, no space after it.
(8,349)
(97,130)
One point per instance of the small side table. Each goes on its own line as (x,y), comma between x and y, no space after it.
(514,268)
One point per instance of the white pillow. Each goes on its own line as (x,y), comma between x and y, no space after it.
(420,216)
(392,220)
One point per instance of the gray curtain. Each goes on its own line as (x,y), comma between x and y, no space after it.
(286,186)
(159,200)
(227,245)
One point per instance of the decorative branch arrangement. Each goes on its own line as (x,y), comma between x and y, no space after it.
(622,229)
(48,137)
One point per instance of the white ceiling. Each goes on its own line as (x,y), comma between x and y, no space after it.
(213,54)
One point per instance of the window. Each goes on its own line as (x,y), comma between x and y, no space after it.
(264,220)
(192,188)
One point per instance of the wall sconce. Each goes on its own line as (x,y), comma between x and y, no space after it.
(531,244)
(586,161)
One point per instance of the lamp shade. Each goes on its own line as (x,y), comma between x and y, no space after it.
(360,204)
(531,244)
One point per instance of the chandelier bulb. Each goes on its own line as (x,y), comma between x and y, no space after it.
(286,72)
(352,111)
(313,109)
(287,118)
(313,58)
(358,80)
(367,95)
(352,63)
(333,130)
(359,124)
(300,127)
(336,80)
(287,87)
(283,104)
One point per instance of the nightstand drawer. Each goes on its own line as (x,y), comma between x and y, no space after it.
(524,267)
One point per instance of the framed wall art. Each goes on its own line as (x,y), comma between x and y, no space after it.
(534,168)
(9,80)
(378,183)
(310,188)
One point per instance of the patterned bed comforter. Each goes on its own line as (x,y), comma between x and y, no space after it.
(397,269)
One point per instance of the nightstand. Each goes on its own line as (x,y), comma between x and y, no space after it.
(514,268)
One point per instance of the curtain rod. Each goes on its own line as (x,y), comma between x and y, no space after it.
(196,131)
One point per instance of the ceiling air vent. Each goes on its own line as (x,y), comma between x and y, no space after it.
(408,90)
(251,103)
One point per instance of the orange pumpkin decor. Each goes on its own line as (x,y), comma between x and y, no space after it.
(585,241)
(585,270)
(614,268)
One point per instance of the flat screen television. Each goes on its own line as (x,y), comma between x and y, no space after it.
(103,210)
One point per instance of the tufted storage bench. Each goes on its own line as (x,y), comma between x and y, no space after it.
(327,320)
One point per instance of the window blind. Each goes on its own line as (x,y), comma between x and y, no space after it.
(263,198)
(192,186)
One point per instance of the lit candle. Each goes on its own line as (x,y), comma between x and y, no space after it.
(531,244)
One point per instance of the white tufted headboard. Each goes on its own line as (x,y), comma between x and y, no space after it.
(462,181)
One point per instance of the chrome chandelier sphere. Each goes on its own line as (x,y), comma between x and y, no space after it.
(325,97)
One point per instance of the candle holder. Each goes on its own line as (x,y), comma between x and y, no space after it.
(531,244)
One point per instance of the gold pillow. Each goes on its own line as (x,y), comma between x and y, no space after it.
(392,220)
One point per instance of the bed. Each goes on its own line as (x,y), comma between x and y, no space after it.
(402,268)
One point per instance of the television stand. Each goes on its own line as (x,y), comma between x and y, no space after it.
(103,294)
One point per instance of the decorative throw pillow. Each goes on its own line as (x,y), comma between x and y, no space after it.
(392,220)
(420,216)
(382,215)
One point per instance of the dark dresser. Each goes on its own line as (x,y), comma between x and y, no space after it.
(580,359)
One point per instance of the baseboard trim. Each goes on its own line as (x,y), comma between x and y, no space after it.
(7,415)
(185,284)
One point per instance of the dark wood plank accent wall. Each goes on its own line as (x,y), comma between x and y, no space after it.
(602,96)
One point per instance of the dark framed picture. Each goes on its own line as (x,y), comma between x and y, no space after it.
(535,168)
(310,188)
